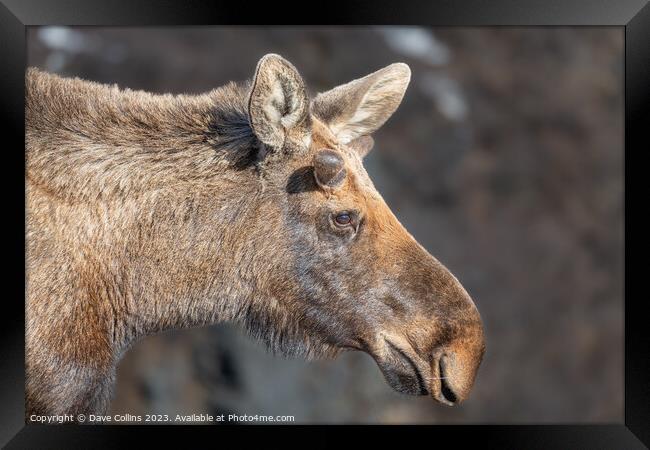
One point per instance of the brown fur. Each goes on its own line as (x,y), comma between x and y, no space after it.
(152,212)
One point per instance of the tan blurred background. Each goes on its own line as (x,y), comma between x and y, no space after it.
(505,161)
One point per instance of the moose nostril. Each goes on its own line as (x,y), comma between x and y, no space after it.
(445,388)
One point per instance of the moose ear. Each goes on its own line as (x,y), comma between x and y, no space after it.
(361,106)
(278,103)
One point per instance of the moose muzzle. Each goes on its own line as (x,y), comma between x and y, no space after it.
(438,351)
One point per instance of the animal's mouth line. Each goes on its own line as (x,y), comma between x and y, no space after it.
(436,383)
(423,383)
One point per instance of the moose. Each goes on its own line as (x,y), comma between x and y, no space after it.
(248,204)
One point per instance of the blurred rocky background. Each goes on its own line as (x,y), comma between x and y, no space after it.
(505,161)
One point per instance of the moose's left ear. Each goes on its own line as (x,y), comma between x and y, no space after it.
(361,106)
(278,105)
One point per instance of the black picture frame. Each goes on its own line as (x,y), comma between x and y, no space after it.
(632,15)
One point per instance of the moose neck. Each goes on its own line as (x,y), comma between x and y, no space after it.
(197,263)
(156,190)
(192,263)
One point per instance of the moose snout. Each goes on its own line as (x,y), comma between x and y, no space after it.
(453,377)
(454,367)
(446,373)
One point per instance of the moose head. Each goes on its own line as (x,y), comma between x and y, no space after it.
(341,271)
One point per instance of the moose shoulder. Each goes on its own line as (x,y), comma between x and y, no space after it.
(249,204)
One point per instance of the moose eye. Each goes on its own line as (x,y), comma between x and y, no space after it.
(343,219)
